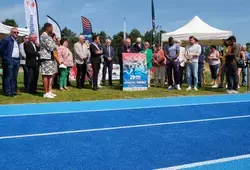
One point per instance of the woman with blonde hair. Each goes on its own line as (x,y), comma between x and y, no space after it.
(149,55)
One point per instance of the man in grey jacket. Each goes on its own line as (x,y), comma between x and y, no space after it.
(81,58)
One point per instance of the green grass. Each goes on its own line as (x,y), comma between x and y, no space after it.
(105,93)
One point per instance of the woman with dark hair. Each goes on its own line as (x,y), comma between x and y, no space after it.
(47,47)
(214,61)
(66,57)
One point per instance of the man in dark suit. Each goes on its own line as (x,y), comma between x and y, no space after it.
(32,62)
(96,54)
(9,50)
(126,48)
(109,54)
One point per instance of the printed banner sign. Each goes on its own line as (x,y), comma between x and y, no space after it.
(31,16)
(135,75)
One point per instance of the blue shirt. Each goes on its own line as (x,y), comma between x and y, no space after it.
(247,56)
(172,50)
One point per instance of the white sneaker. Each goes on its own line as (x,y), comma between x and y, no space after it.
(52,94)
(99,86)
(235,92)
(170,88)
(215,86)
(48,96)
(230,91)
(189,88)
(195,88)
(178,87)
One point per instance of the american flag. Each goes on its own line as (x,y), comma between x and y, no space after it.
(86,25)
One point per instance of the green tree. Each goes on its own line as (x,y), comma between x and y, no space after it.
(117,42)
(134,34)
(70,36)
(248,47)
(148,36)
(10,22)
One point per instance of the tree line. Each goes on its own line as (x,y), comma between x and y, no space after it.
(116,40)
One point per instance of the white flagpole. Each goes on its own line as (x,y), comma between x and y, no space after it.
(124,29)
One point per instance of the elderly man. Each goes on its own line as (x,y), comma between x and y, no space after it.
(126,48)
(109,54)
(9,50)
(32,63)
(23,61)
(81,58)
(138,47)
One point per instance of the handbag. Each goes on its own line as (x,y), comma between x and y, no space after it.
(240,63)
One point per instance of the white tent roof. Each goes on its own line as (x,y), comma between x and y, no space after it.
(4,29)
(198,28)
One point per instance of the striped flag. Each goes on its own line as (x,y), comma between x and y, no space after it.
(87,28)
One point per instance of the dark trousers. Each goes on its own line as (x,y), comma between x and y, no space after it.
(214,71)
(33,74)
(176,67)
(96,68)
(109,66)
(232,76)
(182,70)
(81,74)
(25,76)
(121,71)
(200,74)
(10,72)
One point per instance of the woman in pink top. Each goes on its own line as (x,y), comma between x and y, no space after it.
(65,57)
(159,62)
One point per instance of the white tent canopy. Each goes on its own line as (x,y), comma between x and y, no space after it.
(4,29)
(198,28)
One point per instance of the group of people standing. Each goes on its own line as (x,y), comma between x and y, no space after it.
(53,57)
(173,63)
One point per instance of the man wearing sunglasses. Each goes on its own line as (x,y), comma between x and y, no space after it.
(9,50)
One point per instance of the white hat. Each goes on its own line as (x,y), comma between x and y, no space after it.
(138,39)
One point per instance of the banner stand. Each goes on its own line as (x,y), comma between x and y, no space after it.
(135,74)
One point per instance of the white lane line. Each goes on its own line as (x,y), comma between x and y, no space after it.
(120,109)
(198,164)
(121,127)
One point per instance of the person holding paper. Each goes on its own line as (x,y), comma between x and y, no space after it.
(66,58)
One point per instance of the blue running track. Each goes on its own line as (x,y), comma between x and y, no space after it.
(207,132)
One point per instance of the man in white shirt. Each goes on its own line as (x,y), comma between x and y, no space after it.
(9,50)
(182,60)
(192,54)
(23,62)
(82,55)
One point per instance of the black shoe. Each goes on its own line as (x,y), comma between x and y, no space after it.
(111,85)
(9,95)
(94,89)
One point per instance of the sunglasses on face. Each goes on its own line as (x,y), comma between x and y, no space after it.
(16,32)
